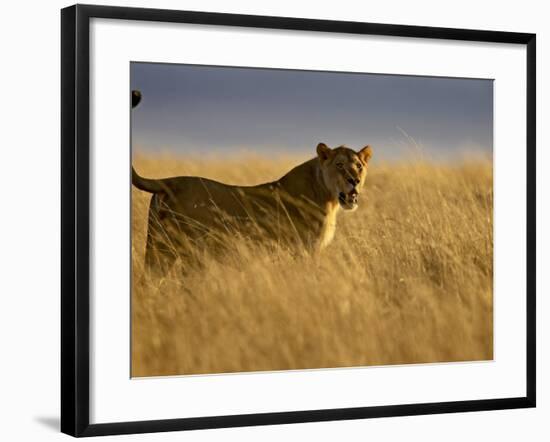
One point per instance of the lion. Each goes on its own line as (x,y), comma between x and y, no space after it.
(188,213)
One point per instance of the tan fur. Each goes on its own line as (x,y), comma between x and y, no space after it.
(188,214)
(329,225)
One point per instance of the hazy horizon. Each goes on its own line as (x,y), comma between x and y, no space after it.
(190,109)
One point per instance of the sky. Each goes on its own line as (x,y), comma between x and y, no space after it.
(188,109)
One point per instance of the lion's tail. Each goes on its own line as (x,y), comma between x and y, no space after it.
(136,98)
(148,185)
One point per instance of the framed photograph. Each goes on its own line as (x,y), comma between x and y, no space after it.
(272,220)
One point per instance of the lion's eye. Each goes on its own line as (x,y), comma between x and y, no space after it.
(359,166)
(339,165)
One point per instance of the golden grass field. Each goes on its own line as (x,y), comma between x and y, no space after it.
(407,279)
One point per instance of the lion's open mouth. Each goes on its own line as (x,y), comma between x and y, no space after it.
(342,198)
(348,201)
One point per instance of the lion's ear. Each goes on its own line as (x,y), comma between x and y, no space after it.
(365,154)
(323,151)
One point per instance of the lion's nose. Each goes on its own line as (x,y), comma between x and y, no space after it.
(353,181)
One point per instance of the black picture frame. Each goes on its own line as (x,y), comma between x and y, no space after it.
(75,225)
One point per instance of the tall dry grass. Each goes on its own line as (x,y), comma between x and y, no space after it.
(407,279)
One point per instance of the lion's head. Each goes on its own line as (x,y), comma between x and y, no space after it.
(344,172)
